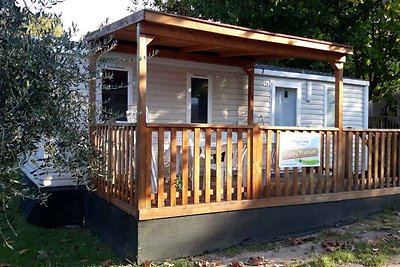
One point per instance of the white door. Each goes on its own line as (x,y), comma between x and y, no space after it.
(285,106)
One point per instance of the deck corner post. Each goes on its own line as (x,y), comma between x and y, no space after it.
(256,168)
(338,68)
(143,186)
(250,94)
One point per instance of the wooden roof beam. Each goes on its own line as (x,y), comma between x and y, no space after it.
(197,48)
(232,43)
(189,23)
(158,41)
(176,54)
(240,53)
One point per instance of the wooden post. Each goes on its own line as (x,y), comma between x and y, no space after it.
(338,68)
(92,89)
(143,185)
(250,94)
(256,162)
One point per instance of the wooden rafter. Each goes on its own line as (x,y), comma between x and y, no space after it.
(197,48)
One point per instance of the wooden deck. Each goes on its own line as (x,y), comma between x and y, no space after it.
(196,169)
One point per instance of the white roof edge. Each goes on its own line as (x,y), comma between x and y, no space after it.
(314,77)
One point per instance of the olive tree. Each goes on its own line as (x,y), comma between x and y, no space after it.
(39,98)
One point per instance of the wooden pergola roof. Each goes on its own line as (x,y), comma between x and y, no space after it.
(205,41)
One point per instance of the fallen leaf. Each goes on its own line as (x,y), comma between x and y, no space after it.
(256,261)
(23,251)
(296,241)
(147,263)
(237,264)
(333,245)
(106,263)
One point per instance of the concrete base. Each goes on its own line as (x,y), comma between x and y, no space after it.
(192,235)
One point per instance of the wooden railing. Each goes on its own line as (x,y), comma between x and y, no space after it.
(113,176)
(372,159)
(195,169)
(204,164)
(299,181)
(384,122)
(198,164)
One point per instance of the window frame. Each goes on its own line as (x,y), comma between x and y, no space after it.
(99,87)
(189,97)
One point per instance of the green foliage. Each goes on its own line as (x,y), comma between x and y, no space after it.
(372,27)
(39,100)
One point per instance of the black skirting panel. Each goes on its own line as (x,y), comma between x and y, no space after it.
(193,235)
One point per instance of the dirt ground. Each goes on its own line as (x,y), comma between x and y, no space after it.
(374,241)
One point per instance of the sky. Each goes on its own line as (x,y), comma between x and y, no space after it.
(89,14)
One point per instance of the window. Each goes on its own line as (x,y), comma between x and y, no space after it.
(330,108)
(114,94)
(198,100)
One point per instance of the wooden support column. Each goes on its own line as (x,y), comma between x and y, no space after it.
(250,95)
(338,68)
(92,89)
(256,139)
(143,134)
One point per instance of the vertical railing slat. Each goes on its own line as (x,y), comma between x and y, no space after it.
(277,170)
(160,168)
(218,186)
(303,181)
(350,161)
(268,161)
(295,181)
(239,184)
(172,178)
(207,166)
(327,161)
(356,159)
(311,184)
(286,181)
(388,159)
(185,166)
(370,168)
(376,161)
(335,162)
(363,158)
(320,168)
(196,166)
(228,165)
(382,173)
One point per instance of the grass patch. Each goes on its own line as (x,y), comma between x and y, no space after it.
(236,250)
(36,246)
(378,254)
(336,235)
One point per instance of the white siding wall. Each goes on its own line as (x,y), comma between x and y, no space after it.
(168,82)
(167,87)
(313,111)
